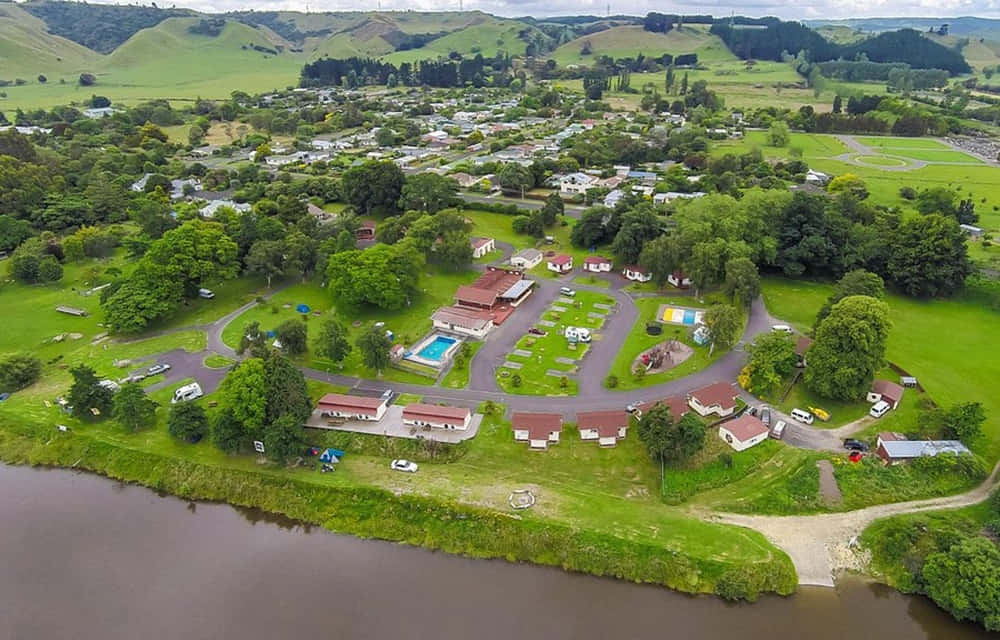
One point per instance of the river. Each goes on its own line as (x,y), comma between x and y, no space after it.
(86,557)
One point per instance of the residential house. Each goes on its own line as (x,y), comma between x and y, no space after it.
(606,427)
(482,246)
(894,448)
(576,183)
(469,322)
(597,264)
(495,287)
(678,406)
(561,263)
(430,415)
(321,215)
(637,273)
(366,231)
(885,390)
(208,211)
(718,398)
(817,177)
(339,405)
(526,259)
(464,180)
(613,198)
(670,196)
(743,432)
(679,279)
(537,429)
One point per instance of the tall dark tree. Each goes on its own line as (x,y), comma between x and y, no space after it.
(374,347)
(133,409)
(854,283)
(373,185)
(928,256)
(292,334)
(187,421)
(849,348)
(86,394)
(332,342)
(287,394)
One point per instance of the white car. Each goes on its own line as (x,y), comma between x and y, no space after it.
(404,465)
(782,328)
(566,291)
(206,293)
(634,407)
(879,409)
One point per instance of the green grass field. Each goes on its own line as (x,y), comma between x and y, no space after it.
(544,350)
(629,41)
(638,341)
(940,342)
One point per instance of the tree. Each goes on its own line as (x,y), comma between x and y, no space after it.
(254,340)
(87,79)
(133,409)
(850,184)
(964,421)
(742,281)
(428,192)
(937,200)
(552,209)
(724,323)
(385,276)
(373,185)
(515,177)
(284,439)
(777,134)
(292,335)
(703,266)
(86,394)
(965,581)
(590,230)
(374,346)
(854,283)
(638,226)
(837,104)
(849,348)
(454,251)
(669,439)
(662,256)
(332,342)
(228,433)
(287,393)
(187,421)
(531,224)
(19,371)
(772,358)
(244,394)
(13,232)
(928,256)
(266,258)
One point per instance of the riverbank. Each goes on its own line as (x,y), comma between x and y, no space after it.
(370,512)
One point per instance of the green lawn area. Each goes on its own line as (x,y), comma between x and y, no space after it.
(938,341)
(409,324)
(933,155)
(884,161)
(638,341)
(458,376)
(885,143)
(215,361)
(592,281)
(533,376)
(813,145)
(871,482)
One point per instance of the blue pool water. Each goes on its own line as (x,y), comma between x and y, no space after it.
(688,316)
(436,348)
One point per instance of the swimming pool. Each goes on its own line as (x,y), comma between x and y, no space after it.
(436,348)
(680,315)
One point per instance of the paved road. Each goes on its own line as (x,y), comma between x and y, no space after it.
(911,164)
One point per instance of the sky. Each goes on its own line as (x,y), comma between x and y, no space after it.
(815,9)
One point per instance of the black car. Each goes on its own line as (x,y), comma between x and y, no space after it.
(855,445)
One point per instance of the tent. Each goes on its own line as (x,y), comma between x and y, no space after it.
(302,308)
(331,455)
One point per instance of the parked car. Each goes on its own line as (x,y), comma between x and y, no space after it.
(779,430)
(404,465)
(536,331)
(802,415)
(822,414)
(566,291)
(634,407)
(206,293)
(157,368)
(879,409)
(751,410)
(782,328)
(387,394)
(855,445)
(764,413)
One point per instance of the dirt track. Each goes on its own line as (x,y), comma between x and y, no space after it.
(818,545)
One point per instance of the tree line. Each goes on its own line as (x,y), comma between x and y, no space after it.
(354,72)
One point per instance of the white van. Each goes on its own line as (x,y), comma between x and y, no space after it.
(187,392)
(206,293)
(879,409)
(802,416)
(782,328)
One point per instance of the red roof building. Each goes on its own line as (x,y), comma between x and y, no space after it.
(366,231)
(537,429)
(743,432)
(429,415)
(718,398)
(606,427)
(338,405)
(560,263)
(596,264)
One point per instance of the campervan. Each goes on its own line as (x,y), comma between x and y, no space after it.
(802,416)
(187,392)
(578,334)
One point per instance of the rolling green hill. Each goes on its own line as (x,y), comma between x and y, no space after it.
(27,49)
(621,42)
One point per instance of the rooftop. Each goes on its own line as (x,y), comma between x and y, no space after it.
(719,393)
(419,410)
(538,425)
(745,427)
(903,449)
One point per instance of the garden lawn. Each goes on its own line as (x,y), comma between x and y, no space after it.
(813,145)
(458,376)
(941,342)
(545,349)
(638,341)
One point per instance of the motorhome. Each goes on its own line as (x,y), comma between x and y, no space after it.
(187,392)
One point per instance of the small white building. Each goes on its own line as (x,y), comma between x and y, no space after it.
(817,177)
(606,427)
(637,273)
(743,432)
(539,430)
(482,246)
(338,405)
(576,183)
(718,398)
(429,415)
(469,322)
(562,263)
(597,264)
(526,259)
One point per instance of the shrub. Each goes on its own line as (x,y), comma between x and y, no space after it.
(611,382)
(19,371)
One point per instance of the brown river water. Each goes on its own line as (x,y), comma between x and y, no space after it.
(85,557)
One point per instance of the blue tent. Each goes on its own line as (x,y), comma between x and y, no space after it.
(331,455)
(270,334)
(302,308)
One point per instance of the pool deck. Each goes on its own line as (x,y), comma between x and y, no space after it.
(391,425)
